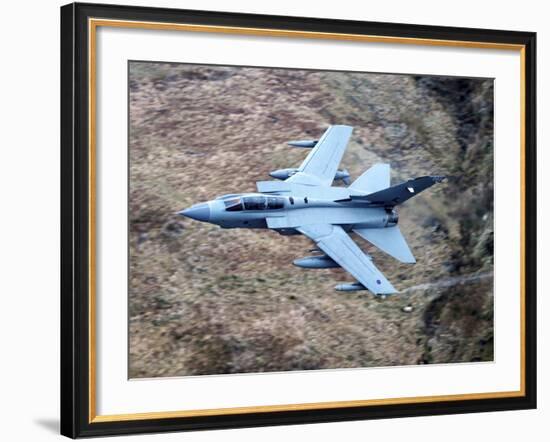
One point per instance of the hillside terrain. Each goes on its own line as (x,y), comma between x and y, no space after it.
(203,300)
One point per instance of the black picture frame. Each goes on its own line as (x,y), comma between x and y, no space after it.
(76,402)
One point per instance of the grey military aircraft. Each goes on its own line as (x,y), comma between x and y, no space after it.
(305,202)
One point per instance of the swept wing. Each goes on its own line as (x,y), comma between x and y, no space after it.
(320,166)
(337,244)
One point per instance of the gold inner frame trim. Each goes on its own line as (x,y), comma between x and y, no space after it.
(93,24)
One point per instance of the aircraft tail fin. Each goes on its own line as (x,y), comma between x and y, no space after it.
(390,240)
(374,179)
(398,194)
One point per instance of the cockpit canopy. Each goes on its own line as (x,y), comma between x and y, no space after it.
(254,203)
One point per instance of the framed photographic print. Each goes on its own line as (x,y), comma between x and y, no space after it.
(274,220)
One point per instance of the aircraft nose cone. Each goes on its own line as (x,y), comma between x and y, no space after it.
(200,212)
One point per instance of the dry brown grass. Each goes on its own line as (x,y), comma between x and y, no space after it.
(205,300)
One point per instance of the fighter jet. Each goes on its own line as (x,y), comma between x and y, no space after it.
(305,202)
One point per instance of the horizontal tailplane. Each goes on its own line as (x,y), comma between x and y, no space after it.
(374,179)
(390,240)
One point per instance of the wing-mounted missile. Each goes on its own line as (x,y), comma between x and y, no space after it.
(350,287)
(354,287)
(316,262)
(283,174)
(307,144)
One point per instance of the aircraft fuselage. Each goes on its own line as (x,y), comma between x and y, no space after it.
(283,213)
(308,203)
